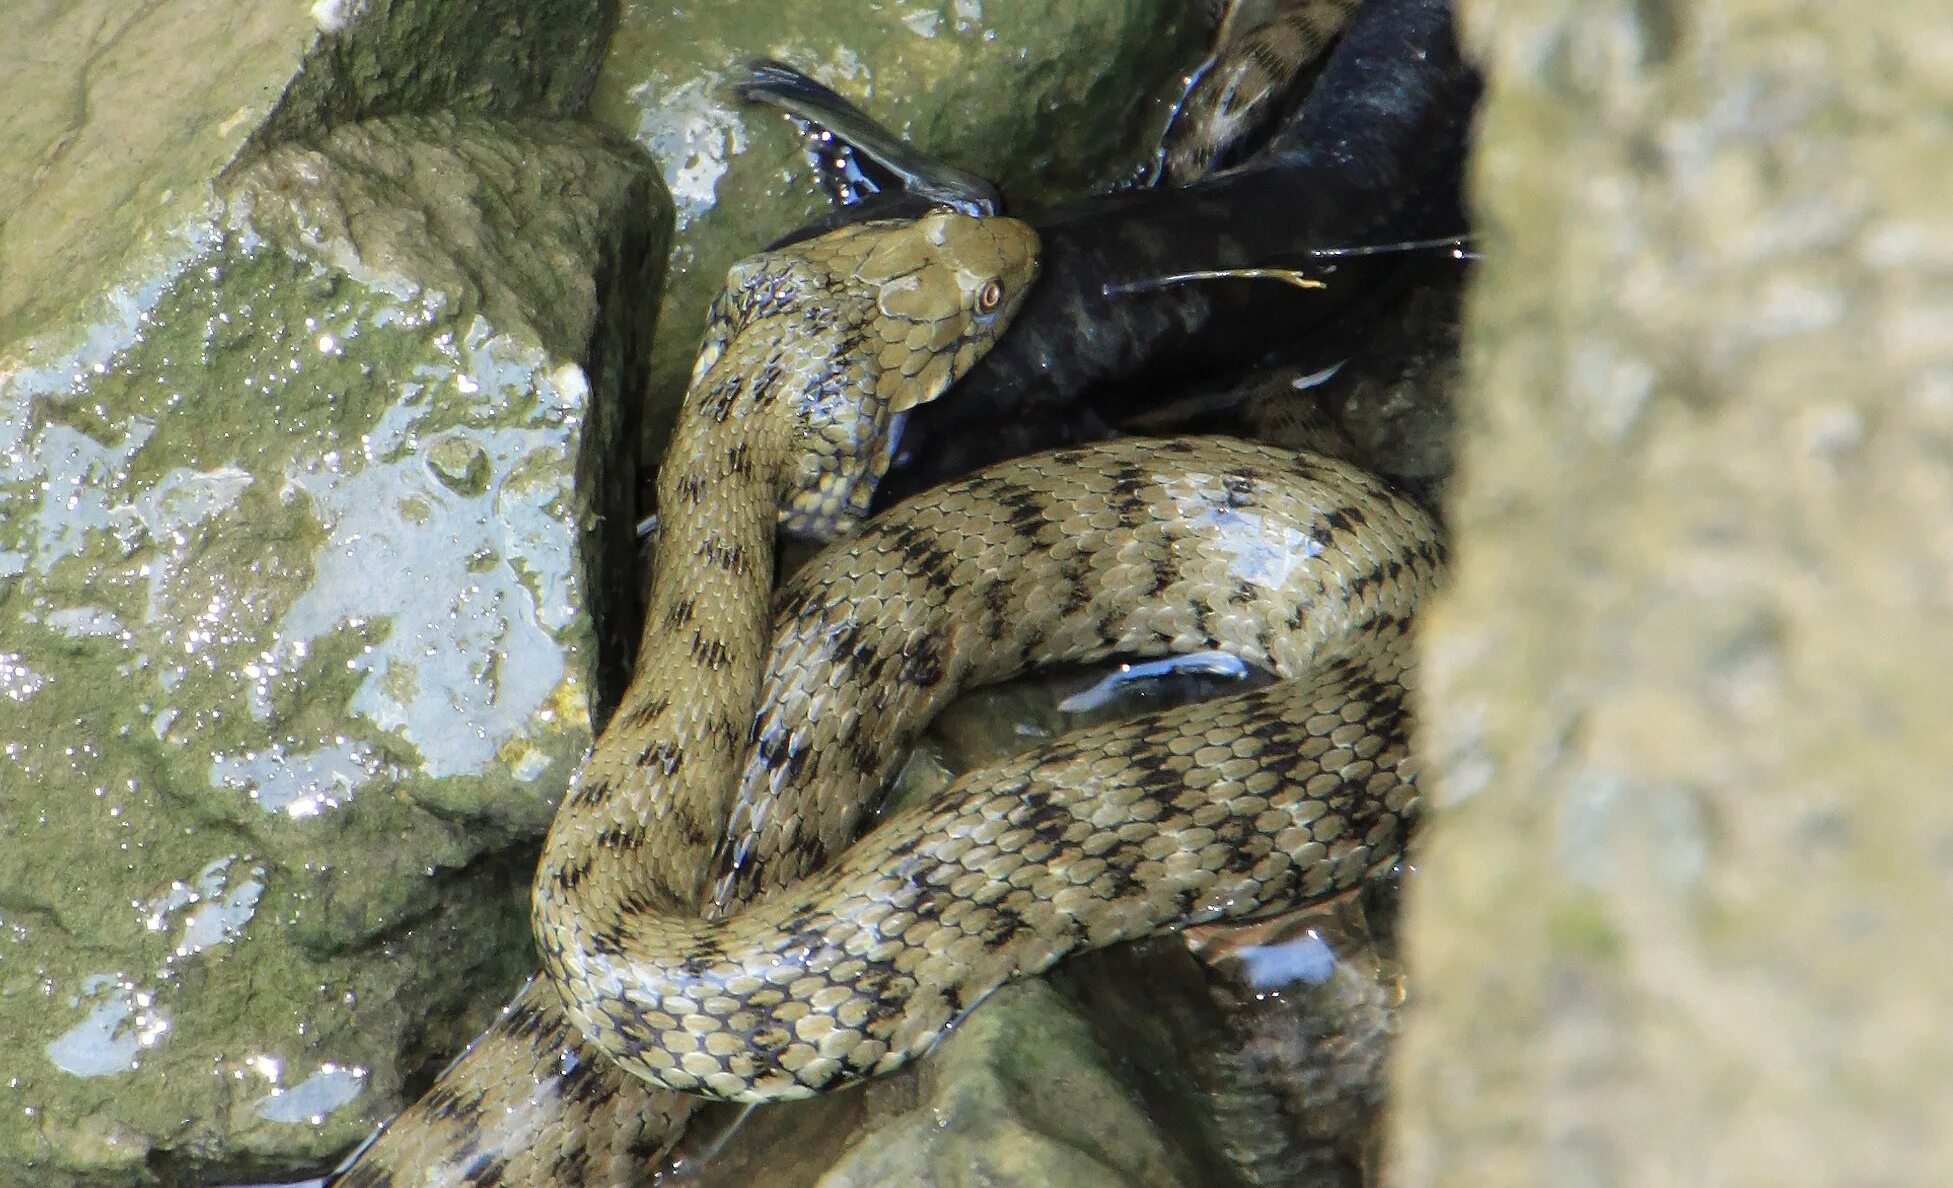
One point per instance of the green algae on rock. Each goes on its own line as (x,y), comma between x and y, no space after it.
(1053,100)
(298,615)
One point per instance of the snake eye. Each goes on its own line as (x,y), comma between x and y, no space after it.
(989,296)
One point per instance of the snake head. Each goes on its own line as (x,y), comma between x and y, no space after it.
(927,298)
(944,288)
(842,335)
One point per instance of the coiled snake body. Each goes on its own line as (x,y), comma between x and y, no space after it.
(1295,562)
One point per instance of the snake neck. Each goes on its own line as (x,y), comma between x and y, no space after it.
(634,825)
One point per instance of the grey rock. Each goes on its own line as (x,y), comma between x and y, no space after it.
(1682,910)
(119,116)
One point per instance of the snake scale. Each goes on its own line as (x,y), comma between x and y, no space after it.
(705,922)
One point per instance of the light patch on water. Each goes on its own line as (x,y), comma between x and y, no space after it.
(86,622)
(127,312)
(1110,687)
(843,62)
(693,136)
(331,16)
(18,682)
(309,1102)
(1316,379)
(184,499)
(76,474)
(529,765)
(25,456)
(1262,555)
(964,16)
(71,471)
(170,512)
(302,784)
(467,581)
(1306,959)
(122,1019)
(218,911)
(1268,559)
(121,1022)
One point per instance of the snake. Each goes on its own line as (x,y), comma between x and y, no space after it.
(777,720)
(865,960)
(709,925)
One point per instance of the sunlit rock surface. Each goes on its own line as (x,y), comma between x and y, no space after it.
(118,115)
(1052,100)
(297,648)
(1683,915)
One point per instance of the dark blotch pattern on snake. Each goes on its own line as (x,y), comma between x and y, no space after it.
(1299,563)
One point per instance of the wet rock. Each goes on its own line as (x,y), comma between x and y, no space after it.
(1378,390)
(1681,915)
(1261,1048)
(1022,1094)
(1052,100)
(299,603)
